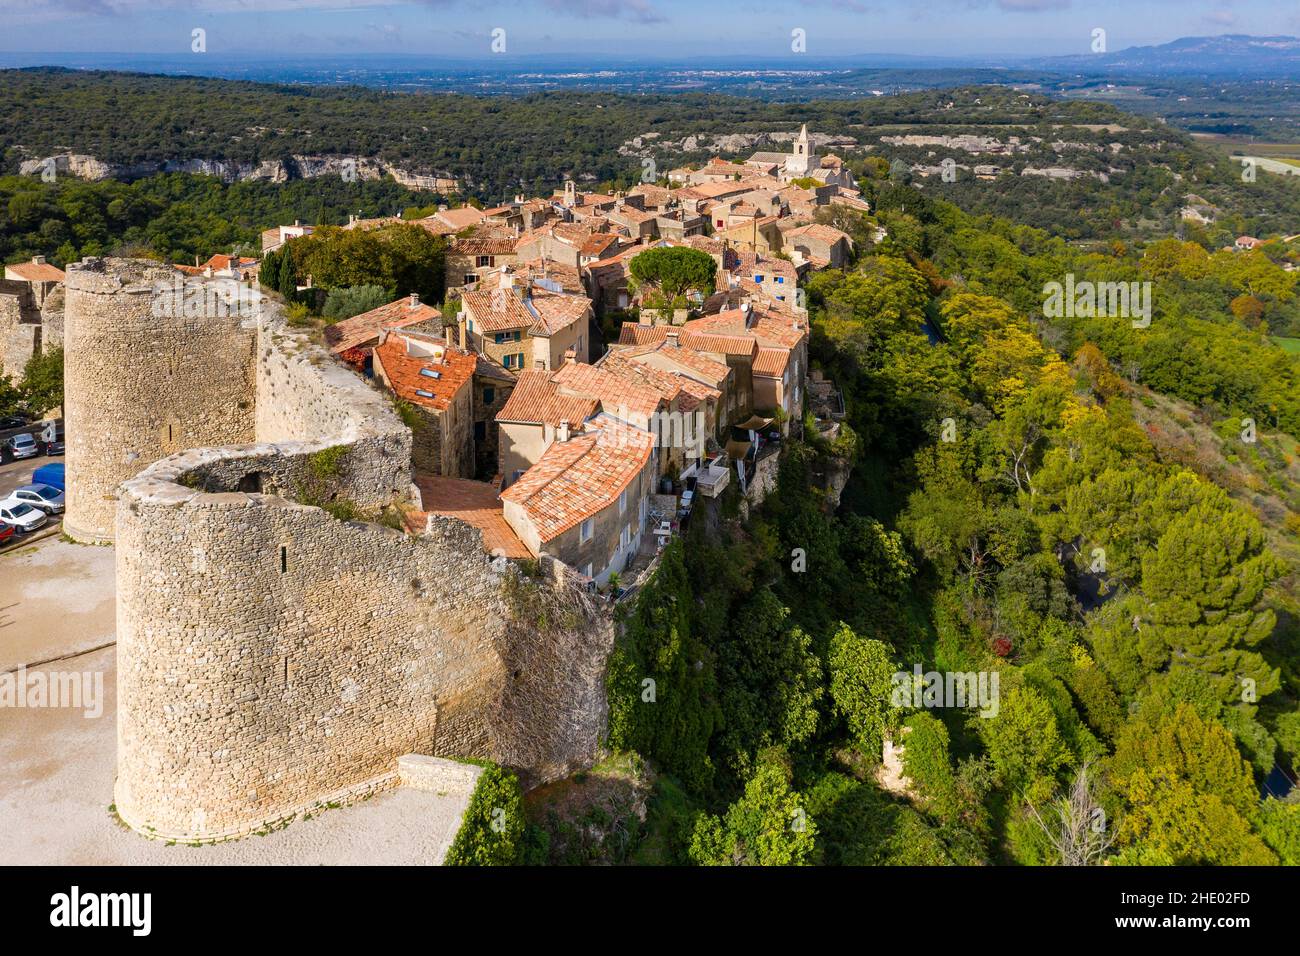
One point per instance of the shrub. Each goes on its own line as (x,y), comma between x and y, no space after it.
(492,832)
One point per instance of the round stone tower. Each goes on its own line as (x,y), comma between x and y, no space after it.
(154,363)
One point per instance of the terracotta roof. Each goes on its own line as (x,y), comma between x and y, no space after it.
(578,478)
(771,363)
(766,329)
(699,363)
(613,388)
(827,234)
(36,271)
(701,340)
(406,376)
(536,400)
(461,218)
(363,329)
(483,246)
(596,244)
(473,502)
(543,312)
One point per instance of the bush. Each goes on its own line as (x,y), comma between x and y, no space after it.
(492,832)
(346,302)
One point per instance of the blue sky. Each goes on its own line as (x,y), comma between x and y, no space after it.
(695,28)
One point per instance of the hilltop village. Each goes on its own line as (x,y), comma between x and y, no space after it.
(593,452)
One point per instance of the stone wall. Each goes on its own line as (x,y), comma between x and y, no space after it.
(140,384)
(271,657)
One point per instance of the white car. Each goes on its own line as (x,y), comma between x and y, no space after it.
(21,515)
(46,497)
(24,446)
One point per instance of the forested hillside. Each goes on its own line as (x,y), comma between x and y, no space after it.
(1031,498)
(498,147)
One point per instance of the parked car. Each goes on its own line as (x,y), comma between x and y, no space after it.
(46,497)
(23,445)
(21,515)
(7,534)
(51,474)
(54,447)
(12,421)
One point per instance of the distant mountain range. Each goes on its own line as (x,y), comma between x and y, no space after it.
(1228,55)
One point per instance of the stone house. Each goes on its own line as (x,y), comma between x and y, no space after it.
(352,340)
(536,409)
(39,275)
(525,324)
(824,246)
(469,258)
(585,501)
(435,381)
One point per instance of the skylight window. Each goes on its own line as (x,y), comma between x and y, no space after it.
(423,394)
(430,373)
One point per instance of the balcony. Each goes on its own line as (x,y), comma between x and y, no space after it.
(711,478)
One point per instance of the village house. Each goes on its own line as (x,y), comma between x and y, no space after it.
(40,276)
(275,237)
(822,246)
(435,381)
(737,352)
(584,501)
(353,339)
(469,257)
(532,414)
(528,324)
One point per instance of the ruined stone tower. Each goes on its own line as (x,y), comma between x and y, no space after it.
(272,654)
(144,377)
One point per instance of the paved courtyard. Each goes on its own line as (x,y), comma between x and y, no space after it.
(57,604)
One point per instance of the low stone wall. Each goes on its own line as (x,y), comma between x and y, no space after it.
(438,775)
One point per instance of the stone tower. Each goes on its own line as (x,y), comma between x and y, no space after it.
(151,367)
(804,156)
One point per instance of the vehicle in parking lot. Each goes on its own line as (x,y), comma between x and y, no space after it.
(7,534)
(13,421)
(46,497)
(23,445)
(54,447)
(21,515)
(51,474)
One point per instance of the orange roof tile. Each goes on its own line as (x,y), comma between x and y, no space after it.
(578,478)
(536,400)
(36,271)
(408,375)
(361,330)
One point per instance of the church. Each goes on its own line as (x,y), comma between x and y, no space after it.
(804,163)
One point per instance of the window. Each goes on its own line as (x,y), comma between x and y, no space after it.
(587,569)
(480,431)
(483,262)
(586,529)
(470,325)
(780,278)
(469,278)
(489,396)
(626,537)
(503,337)
(622,501)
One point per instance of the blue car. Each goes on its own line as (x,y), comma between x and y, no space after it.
(51,474)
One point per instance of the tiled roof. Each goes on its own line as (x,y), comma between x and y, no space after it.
(461,218)
(536,400)
(483,246)
(767,330)
(541,312)
(36,271)
(578,478)
(701,340)
(771,363)
(696,361)
(404,372)
(612,387)
(361,330)
(474,502)
(822,233)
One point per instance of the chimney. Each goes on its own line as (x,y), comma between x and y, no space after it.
(297,222)
(570,355)
(460,325)
(562,432)
(673,339)
(196,260)
(38,260)
(352,218)
(414,302)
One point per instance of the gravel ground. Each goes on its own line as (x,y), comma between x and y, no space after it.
(56,599)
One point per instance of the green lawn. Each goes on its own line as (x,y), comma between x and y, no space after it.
(1290,345)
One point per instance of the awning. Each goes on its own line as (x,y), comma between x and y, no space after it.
(755,423)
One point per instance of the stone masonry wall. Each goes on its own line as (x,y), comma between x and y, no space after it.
(139,385)
(271,657)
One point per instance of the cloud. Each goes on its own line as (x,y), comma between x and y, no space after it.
(1221,18)
(639,11)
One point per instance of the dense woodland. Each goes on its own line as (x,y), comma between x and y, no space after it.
(498,147)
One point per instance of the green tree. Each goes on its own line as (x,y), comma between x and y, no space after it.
(672,272)
(343,303)
(41,389)
(862,686)
(767,826)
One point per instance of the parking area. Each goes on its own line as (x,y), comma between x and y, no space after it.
(15,474)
